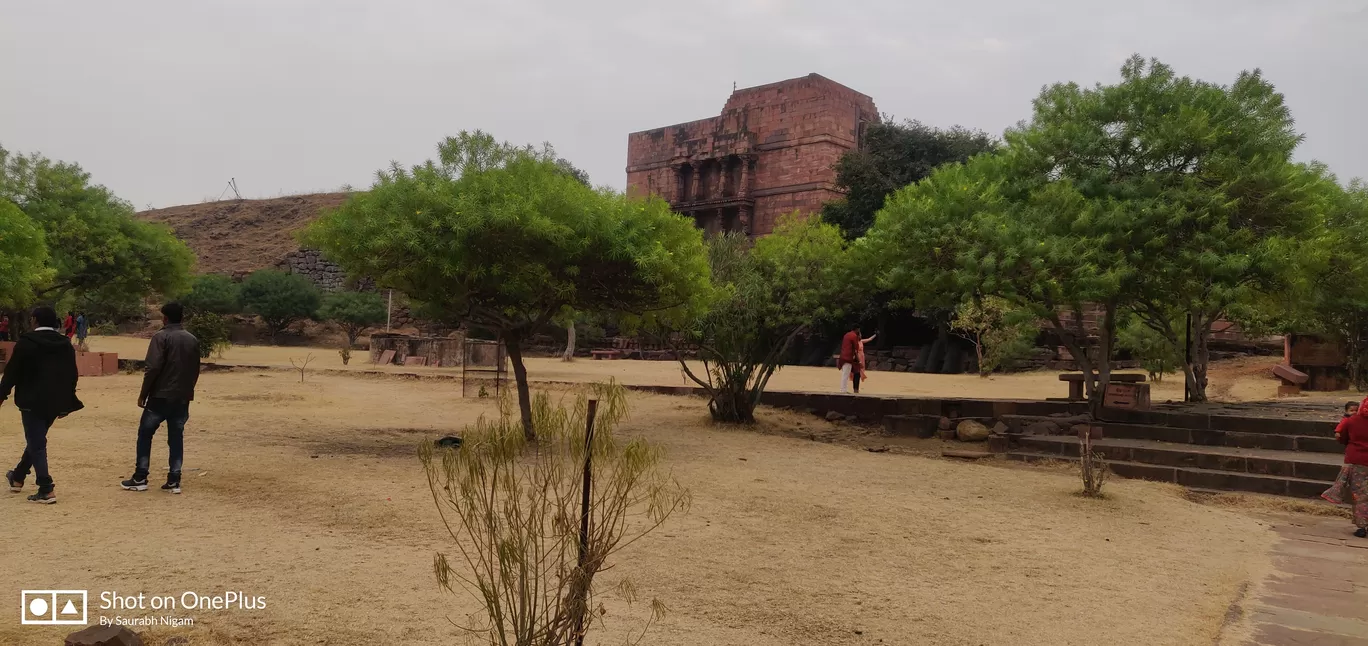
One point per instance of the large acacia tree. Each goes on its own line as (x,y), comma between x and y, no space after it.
(502,237)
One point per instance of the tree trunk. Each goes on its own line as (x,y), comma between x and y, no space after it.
(513,342)
(569,342)
(1107,332)
(1201,357)
(978,352)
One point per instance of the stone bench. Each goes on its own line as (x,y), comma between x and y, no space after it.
(605,354)
(1075,381)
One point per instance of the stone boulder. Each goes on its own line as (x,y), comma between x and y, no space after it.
(971,431)
(833,416)
(946,424)
(1000,428)
(104,636)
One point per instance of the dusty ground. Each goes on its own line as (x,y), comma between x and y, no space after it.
(311,495)
(1248,379)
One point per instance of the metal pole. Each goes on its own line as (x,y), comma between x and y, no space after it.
(584,514)
(1187,360)
(389,309)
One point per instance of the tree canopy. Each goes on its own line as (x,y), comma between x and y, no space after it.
(353,311)
(279,298)
(503,237)
(891,156)
(93,240)
(212,294)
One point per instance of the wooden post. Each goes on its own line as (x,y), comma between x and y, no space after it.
(585,492)
(389,309)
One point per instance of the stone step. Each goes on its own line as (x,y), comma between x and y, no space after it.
(1289,464)
(1235,423)
(1209,437)
(1199,478)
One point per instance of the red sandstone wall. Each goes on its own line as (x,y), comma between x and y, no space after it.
(795,129)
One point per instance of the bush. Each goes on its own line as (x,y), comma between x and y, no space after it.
(354,311)
(1156,354)
(279,298)
(212,294)
(1002,335)
(212,331)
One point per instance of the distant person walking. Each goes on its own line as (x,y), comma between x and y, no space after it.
(82,329)
(69,326)
(4,328)
(173,366)
(850,344)
(42,375)
(1351,487)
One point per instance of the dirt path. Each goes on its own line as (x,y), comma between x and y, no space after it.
(310,495)
(1315,592)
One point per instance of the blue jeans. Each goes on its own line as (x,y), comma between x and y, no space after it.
(175,414)
(36,427)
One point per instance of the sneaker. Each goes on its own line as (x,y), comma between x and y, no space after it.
(43,498)
(15,484)
(172,485)
(1362,532)
(134,484)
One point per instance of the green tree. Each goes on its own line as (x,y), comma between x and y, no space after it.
(212,330)
(1191,184)
(94,242)
(1001,334)
(891,156)
(504,238)
(354,311)
(23,257)
(212,294)
(1156,354)
(279,298)
(766,296)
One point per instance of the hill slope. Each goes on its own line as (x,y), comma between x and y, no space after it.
(238,236)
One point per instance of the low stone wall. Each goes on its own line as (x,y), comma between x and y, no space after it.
(445,352)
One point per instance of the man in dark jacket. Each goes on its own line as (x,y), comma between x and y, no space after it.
(42,374)
(173,365)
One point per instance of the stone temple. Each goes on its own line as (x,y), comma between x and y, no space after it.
(770,152)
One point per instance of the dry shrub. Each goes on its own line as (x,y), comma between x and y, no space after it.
(513,507)
(1094,468)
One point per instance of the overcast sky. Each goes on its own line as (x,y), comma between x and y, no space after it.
(165,100)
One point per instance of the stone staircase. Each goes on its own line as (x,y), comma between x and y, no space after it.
(1290,457)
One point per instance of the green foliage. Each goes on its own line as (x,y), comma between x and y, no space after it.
(894,155)
(1187,184)
(1156,353)
(94,242)
(354,311)
(503,237)
(213,332)
(213,294)
(765,297)
(279,298)
(23,256)
(110,305)
(513,510)
(1001,334)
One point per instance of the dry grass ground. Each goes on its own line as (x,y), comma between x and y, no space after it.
(311,495)
(1247,379)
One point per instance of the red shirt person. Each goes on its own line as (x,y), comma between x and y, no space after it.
(850,344)
(1351,487)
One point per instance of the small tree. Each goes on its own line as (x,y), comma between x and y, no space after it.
(1156,354)
(212,331)
(353,311)
(212,294)
(279,298)
(1001,335)
(766,297)
(504,238)
(514,509)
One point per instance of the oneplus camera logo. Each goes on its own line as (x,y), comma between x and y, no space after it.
(53,608)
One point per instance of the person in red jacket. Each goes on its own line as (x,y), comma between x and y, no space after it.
(1351,487)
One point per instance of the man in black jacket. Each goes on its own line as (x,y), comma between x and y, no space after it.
(173,365)
(42,375)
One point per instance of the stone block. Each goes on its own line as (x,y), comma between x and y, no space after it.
(104,636)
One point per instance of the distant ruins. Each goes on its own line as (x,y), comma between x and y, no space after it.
(770,152)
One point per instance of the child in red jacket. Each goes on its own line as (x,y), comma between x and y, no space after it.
(1351,487)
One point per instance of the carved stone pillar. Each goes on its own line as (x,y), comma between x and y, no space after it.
(744,189)
(721,182)
(744,213)
(697,189)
